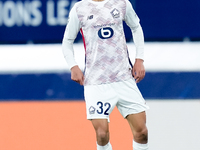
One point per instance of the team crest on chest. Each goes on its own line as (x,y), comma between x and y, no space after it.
(115,13)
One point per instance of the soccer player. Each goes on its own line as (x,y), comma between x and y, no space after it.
(109,78)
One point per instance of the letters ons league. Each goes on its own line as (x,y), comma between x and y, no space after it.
(31,13)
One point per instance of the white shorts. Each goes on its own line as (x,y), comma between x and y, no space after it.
(101,99)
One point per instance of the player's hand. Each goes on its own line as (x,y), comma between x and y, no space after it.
(138,70)
(77,75)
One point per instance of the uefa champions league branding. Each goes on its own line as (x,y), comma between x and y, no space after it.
(35,13)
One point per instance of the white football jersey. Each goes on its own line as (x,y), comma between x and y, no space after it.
(101,25)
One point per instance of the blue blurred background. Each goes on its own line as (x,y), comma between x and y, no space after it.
(43,22)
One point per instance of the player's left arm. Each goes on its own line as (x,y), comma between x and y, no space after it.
(133,22)
(138,70)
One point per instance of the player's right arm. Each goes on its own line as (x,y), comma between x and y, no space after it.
(71,31)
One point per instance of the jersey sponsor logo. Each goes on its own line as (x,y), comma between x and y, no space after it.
(105,33)
(104,25)
(115,13)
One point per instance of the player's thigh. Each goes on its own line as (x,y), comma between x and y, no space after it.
(137,121)
(131,100)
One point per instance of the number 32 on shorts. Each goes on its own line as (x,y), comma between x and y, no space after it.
(103,108)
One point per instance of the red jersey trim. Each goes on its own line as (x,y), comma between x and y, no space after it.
(83,38)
